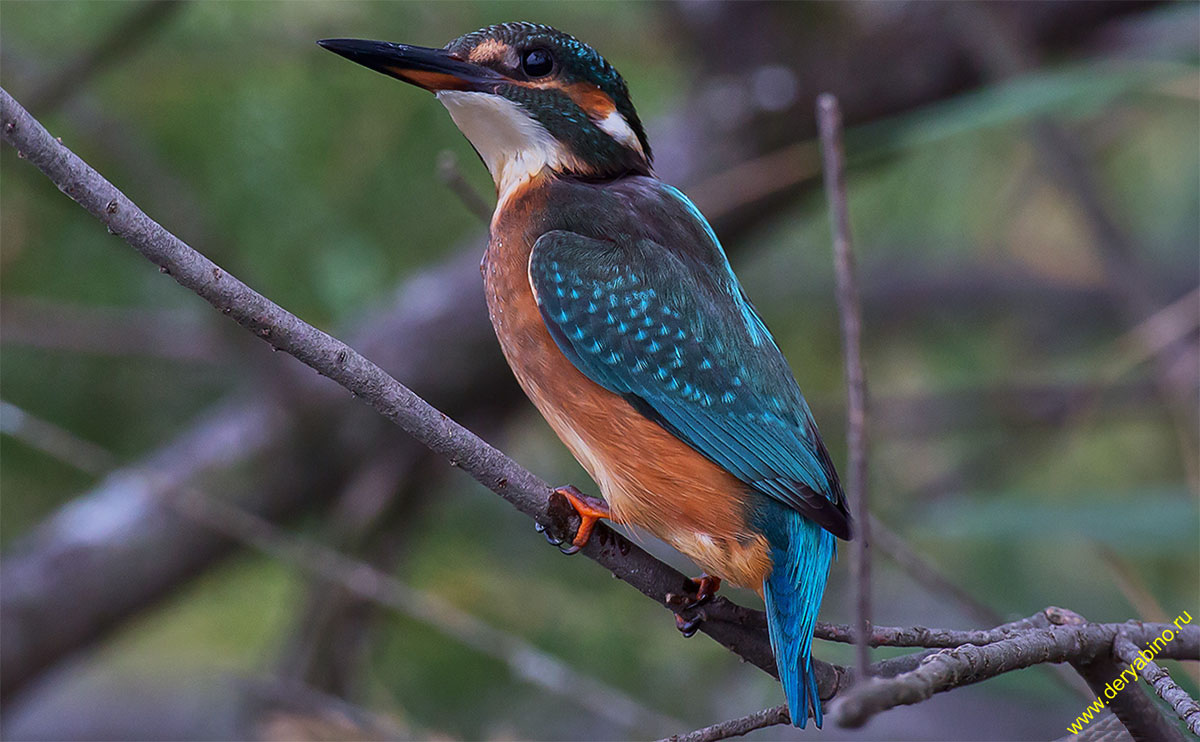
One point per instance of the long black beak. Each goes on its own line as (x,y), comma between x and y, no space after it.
(432,69)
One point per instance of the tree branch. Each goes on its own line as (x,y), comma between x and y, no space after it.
(735,727)
(736,627)
(1137,713)
(829,123)
(1158,678)
(1055,635)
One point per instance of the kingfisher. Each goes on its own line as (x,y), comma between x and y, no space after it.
(619,314)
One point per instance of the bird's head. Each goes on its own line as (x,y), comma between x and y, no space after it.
(527,96)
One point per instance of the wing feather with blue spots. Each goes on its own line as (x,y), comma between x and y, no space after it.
(677,337)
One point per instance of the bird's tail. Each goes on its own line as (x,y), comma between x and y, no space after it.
(801,554)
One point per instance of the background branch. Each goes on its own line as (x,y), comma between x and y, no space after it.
(524,660)
(452,176)
(125,37)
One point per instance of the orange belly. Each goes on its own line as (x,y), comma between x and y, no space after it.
(649,477)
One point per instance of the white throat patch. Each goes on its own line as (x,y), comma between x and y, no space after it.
(512,144)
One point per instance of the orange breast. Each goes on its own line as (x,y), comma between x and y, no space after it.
(648,476)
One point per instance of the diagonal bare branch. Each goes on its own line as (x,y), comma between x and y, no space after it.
(731,625)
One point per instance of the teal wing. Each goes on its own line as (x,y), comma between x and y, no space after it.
(677,338)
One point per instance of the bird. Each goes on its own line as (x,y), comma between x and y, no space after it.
(621,318)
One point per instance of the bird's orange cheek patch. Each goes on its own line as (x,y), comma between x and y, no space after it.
(594,101)
(591,100)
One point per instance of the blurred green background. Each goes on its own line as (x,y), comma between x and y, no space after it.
(1033,428)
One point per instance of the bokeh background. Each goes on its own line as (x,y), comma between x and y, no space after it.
(1024,189)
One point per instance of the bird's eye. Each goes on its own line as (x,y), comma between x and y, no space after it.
(537,63)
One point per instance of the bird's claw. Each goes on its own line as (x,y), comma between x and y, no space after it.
(689,626)
(706,588)
(553,540)
(589,509)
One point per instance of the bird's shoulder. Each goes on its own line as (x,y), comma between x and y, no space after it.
(637,212)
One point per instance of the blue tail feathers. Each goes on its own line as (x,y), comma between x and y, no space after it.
(801,552)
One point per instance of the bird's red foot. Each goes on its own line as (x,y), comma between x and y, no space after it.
(706,589)
(590,511)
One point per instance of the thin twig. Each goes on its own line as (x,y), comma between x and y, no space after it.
(57,442)
(927,574)
(1167,689)
(452,176)
(829,122)
(920,636)
(735,727)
